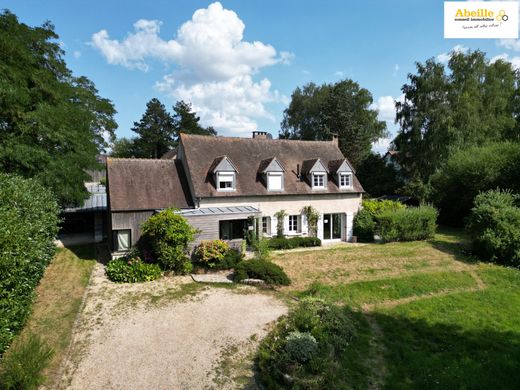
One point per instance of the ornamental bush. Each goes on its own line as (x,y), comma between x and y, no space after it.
(132,270)
(168,235)
(211,253)
(410,224)
(261,269)
(494,226)
(305,348)
(29,217)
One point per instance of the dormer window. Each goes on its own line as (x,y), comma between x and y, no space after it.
(226,181)
(224,173)
(318,180)
(345,180)
(272,172)
(274,181)
(316,173)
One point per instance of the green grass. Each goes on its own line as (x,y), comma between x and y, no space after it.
(460,339)
(58,301)
(379,291)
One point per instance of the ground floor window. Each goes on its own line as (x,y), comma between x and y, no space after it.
(121,239)
(232,229)
(293,223)
(266,225)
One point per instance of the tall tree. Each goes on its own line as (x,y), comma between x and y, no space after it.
(343,108)
(53,124)
(155,131)
(445,110)
(187,121)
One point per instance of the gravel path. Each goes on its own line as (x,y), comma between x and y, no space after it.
(167,334)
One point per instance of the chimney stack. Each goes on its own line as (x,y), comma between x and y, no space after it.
(260,134)
(335,138)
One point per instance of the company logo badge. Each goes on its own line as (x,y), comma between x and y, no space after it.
(480,19)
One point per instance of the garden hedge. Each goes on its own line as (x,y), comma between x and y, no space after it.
(261,269)
(494,225)
(410,224)
(294,242)
(29,217)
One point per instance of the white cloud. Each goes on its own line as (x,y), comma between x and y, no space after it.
(515,61)
(214,65)
(445,57)
(382,145)
(339,73)
(396,67)
(511,44)
(76,54)
(385,105)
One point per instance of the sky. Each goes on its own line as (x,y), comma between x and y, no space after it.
(237,62)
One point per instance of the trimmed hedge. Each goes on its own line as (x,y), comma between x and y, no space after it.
(365,221)
(308,349)
(494,225)
(410,224)
(29,217)
(132,270)
(294,242)
(261,269)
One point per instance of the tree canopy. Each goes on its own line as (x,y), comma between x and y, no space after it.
(470,102)
(53,124)
(158,131)
(317,112)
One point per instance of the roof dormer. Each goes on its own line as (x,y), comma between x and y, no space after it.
(272,172)
(316,172)
(224,173)
(342,172)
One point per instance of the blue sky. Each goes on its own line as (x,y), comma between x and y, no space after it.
(239,61)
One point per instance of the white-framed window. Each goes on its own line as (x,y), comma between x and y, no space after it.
(122,239)
(318,180)
(275,181)
(225,181)
(293,223)
(345,180)
(266,225)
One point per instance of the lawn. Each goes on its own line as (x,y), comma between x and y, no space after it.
(435,317)
(58,300)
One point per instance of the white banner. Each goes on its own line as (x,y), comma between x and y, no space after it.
(480,19)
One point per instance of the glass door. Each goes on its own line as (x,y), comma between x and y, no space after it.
(327,223)
(331,226)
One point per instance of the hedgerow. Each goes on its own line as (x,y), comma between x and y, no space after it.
(29,217)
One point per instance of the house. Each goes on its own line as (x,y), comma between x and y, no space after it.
(221,184)
(390,159)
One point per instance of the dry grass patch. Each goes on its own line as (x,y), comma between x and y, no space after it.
(369,262)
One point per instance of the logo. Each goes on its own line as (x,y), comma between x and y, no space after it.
(481,19)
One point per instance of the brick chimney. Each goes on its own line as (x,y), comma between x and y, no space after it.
(335,138)
(260,134)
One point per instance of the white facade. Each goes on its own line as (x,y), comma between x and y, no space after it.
(344,206)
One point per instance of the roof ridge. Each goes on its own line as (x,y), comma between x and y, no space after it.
(141,159)
(253,139)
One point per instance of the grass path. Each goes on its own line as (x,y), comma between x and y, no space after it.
(436,318)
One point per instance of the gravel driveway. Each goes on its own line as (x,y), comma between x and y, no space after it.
(167,334)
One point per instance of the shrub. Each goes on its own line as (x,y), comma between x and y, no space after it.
(29,217)
(169,234)
(414,223)
(365,221)
(262,249)
(230,260)
(471,171)
(22,366)
(280,216)
(294,242)
(313,217)
(364,226)
(305,347)
(132,270)
(261,269)
(211,253)
(494,225)
(301,346)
